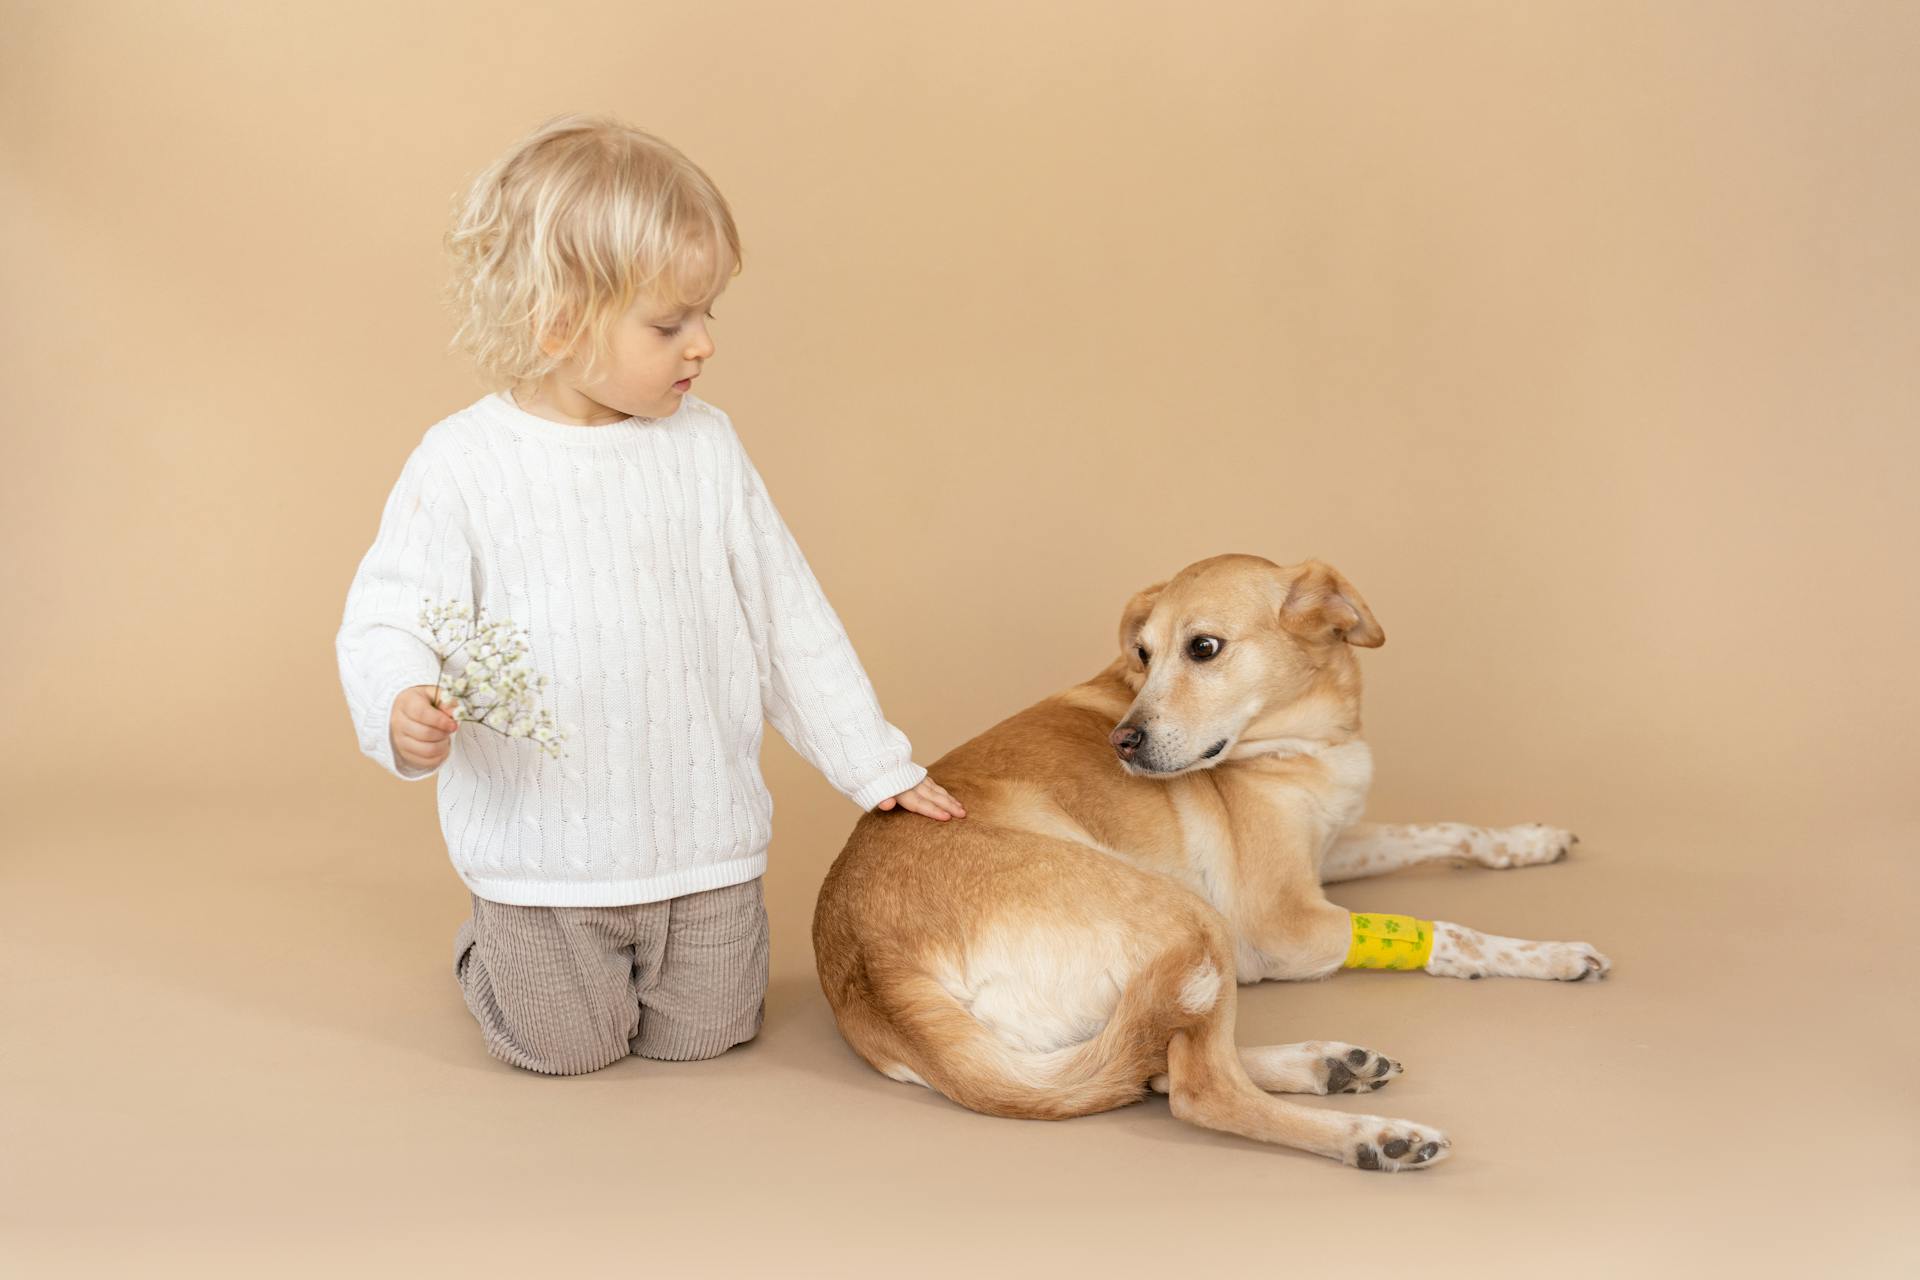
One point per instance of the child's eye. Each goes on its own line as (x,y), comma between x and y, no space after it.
(675,329)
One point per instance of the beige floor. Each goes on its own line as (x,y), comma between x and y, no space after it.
(233,1047)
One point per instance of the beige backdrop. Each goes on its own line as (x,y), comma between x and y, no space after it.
(1582,336)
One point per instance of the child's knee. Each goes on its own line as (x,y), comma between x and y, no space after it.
(551,1037)
(557,1022)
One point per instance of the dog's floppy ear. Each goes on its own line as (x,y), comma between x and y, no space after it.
(1322,605)
(1136,613)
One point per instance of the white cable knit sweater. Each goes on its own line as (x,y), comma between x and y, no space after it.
(670,608)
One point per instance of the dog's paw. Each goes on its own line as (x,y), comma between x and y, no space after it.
(1351,1069)
(1387,1146)
(1577,961)
(1528,846)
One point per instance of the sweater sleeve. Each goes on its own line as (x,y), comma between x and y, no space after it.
(420,555)
(812,686)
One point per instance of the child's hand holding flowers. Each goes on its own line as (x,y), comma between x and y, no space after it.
(485,679)
(420,732)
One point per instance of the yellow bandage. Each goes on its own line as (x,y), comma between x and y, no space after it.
(1389,942)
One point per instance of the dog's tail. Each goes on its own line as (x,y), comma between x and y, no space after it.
(965,1060)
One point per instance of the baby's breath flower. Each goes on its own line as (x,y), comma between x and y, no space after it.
(486,674)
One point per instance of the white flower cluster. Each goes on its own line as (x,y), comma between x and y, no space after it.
(492,684)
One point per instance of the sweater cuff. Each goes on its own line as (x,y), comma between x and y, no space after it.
(890,783)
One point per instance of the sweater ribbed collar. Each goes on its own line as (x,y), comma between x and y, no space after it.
(499,406)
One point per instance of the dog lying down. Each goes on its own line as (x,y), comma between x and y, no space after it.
(1134,846)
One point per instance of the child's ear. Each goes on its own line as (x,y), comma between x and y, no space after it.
(1136,613)
(559,336)
(1321,605)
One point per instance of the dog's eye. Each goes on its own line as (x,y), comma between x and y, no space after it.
(1204,648)
(1143,655)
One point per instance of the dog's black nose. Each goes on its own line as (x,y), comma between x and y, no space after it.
(1126,740)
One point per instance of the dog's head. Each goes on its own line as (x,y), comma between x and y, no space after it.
(1236,655)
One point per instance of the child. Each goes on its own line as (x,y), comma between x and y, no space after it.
(597,503)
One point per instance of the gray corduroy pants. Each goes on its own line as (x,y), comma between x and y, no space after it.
(566,990)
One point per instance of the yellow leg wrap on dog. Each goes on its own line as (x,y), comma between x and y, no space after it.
(1389,942)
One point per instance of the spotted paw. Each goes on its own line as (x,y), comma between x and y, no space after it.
(1527,846)
(1388,1146)
(1576,962)
(1356,1070)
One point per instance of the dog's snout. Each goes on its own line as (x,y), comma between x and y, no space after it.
(1126,739)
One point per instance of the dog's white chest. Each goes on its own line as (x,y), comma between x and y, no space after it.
(1300,821)
(1350,773)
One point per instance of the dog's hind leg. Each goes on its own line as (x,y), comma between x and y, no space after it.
(1315,1066)
(1208,1085)
(1375,848)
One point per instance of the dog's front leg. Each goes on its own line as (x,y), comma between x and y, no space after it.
(1285,928)
(1308,939)
(1375,848)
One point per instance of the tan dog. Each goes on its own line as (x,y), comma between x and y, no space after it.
(1134,845)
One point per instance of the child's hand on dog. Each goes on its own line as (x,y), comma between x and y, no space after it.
(418,729)
(928,798)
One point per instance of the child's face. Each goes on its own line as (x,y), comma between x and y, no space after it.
(654,353)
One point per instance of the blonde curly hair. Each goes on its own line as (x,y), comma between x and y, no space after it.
(556,239)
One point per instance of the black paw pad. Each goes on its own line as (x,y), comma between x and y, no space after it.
(1339,1079)
(1427,1152)
(1358,1057)
(1381,1067)
(1397,1148)
(1366,1157)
